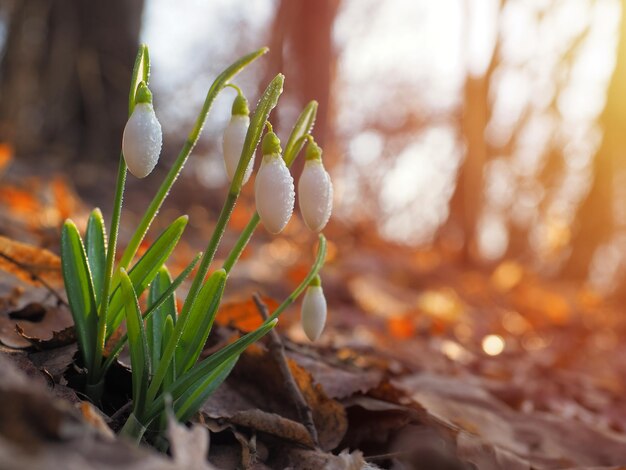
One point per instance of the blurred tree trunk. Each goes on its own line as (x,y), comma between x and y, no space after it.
(64,77)
(596,215)
(466,201)
(302,48)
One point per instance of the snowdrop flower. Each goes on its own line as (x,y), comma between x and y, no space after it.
(235,136)
(142,140)
(315,190)
(274,188)
(313,310)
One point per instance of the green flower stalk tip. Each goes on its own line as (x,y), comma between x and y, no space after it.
(144,95)
(271,144)
(316,281)
(240,106)
(313,151)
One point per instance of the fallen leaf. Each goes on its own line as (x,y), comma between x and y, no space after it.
(29,262)
(243,314)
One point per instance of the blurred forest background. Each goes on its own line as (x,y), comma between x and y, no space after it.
(483,129)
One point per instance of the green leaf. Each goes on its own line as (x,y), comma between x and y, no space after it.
(168,332)
(156,323)
(198,372)
(199,322)
(95,246)
(79,288)
(152,308)
(303,126)
(137,344)
(141,73)
(262,113)
(146,269)
(194,397)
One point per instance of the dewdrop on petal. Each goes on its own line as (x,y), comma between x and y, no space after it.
(313,310)
(274,188)
(315,190)
(142,140)
(235,136)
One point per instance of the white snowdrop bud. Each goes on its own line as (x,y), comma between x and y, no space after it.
(315,190)
(313,310)
(234,138)
(274,188)
(142,140)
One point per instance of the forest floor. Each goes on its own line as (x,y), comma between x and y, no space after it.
(424,364)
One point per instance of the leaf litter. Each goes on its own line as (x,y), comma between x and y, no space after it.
(404,376)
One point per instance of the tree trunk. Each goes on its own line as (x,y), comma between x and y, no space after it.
(596,217)
(302,48)
(64,78)
(466,201)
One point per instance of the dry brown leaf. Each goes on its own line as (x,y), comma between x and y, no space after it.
(24,261)
(55,325)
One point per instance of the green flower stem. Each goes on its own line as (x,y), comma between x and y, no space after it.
(242,241)
(267,102)
(141,73)
(219,83)
(302,127)
(313,272)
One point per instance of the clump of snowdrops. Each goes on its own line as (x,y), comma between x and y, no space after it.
(165,344)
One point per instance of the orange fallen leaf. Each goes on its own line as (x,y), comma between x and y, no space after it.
(28,262)
(243,315)
(401,327)
(6,155)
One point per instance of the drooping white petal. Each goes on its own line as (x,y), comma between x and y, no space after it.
(274,193)
(313,312)
(315,195)
(234,137)
(142,140)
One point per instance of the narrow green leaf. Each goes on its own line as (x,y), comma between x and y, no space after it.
(148,313)
(146,269)
(199,322)
(168,331)
(194,397)
(156,323)
(141,73)
(95,245)
(79,288)
(303,126)
(137,344)
(203,368)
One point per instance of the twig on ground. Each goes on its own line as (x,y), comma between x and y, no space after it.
(277,350)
